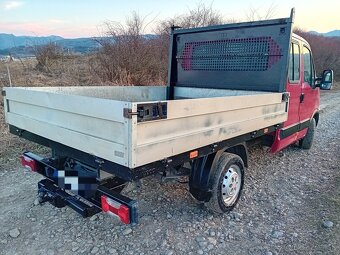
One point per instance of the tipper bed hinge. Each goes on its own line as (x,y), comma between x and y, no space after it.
(147,112)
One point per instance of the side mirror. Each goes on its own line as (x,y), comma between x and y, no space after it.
(326,80)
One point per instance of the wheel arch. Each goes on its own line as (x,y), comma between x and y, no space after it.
(240,150)
(201,170)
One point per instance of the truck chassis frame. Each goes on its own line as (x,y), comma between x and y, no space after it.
(49,189)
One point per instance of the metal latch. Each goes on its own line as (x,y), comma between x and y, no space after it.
(147,112)
(127,113)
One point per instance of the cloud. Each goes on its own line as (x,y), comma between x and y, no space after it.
(10,5)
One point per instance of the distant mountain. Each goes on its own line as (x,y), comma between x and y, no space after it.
(79,45)
(334,33)
(24,45)
(11,41)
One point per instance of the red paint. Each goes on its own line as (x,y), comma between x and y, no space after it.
(298,111)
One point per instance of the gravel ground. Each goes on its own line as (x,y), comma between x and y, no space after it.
(290,205)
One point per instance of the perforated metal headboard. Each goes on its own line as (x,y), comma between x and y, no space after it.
(244,56)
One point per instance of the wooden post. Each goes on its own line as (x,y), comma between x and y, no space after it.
(9,76)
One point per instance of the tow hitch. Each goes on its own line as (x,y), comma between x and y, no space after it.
(49,192)
(93,196)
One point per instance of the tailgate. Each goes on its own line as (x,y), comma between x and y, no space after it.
(89,124)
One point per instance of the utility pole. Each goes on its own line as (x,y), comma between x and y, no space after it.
(9,75)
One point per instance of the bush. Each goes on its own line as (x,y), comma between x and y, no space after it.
(127,55)
(130,57)
(48,55)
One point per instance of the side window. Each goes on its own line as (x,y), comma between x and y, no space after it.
(291,64)
(294,63)
(296,69)
(308,66)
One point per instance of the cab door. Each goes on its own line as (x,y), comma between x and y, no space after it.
(310,94)
(288,134)
(294,85)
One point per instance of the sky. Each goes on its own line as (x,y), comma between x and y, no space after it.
(84,18)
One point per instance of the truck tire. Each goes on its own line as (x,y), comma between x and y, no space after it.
(226,183)
(307,142)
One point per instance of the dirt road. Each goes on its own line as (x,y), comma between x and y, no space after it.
(289,204)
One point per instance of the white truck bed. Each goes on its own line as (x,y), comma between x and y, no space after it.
(91,119)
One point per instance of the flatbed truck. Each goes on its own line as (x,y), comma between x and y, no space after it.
(228,86)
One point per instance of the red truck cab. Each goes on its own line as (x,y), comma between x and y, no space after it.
(304,97)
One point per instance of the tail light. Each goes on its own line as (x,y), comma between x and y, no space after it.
(115,208)
(29,163)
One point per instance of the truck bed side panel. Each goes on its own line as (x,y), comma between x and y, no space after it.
(194,123)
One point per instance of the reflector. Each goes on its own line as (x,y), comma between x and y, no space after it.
(193,154)
(113,207)
(28,163)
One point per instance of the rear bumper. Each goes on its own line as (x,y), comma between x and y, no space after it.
(87,199)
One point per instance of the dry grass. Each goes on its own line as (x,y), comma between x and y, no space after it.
(70,71)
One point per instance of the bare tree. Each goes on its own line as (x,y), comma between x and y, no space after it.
(127,55)
(326,51)
(200,16)
(254,14)
(47,55)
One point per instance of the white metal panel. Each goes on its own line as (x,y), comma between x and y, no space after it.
(120,93)
(92,145)
(201,106)
(187,92)
(93,125)
(88,106)
(194,123)
(165,148)
(151,132)
(104,129)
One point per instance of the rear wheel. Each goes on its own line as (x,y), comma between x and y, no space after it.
(226,183)
(307,142)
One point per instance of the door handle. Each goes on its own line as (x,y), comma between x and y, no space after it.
(302,97)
